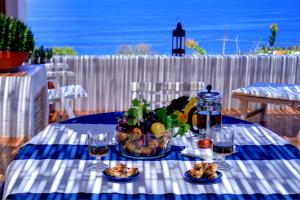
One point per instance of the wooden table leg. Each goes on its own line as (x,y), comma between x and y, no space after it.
(244,108)
(298,136)
(296,106)
(263,113)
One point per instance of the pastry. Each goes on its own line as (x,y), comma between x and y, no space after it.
(211,168)
(136,133)
(129,146)
(213,176)
(203,170)
(198,166)
(122,137)
(137,151)
(121,171)
(195,173)
(146,150)
(132,171)
(153,144)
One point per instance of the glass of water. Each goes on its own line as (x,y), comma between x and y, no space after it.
(223,145)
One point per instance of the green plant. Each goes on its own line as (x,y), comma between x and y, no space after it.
(15,35)
(192,44)
(41,55)
(272,37)
(64,51)
(278,50)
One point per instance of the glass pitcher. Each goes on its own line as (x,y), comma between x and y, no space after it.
(208,110)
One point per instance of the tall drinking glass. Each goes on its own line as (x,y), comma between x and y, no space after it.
(98,146)
(223,145)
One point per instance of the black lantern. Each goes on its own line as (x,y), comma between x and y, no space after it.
(2,6)
(178,41)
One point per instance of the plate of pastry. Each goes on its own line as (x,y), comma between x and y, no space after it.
(121,173)
(203,173)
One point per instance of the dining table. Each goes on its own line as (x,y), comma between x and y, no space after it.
(52,165)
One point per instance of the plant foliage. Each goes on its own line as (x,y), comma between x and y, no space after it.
(278,50)
(272,37)
(15,35)
(41,55)
(192,44)
(64,51)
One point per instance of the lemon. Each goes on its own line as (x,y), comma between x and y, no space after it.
(158,128)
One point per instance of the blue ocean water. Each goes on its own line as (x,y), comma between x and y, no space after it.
(97,27)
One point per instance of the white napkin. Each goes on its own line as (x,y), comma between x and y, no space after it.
(205,154)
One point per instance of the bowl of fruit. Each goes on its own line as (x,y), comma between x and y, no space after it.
(147,134)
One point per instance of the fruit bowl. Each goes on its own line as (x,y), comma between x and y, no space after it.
(147,134)
(143,146)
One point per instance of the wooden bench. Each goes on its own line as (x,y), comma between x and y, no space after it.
(266,93)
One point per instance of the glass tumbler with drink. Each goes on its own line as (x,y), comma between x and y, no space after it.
(98,146)
(223,145)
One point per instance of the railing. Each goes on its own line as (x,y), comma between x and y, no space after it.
(107,78)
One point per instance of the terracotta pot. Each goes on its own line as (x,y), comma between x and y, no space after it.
(10,60)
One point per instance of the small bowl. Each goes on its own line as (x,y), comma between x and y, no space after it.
(203,180)
(120,179)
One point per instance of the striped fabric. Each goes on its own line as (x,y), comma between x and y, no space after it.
(52,166)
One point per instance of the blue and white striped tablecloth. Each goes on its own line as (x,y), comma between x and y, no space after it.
(52,164)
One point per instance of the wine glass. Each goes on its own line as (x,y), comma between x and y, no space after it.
(98,146)
(223,145)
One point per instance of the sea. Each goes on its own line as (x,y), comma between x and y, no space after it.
(99,27)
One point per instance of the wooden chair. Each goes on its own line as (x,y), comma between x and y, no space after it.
(161,94)
(267,93)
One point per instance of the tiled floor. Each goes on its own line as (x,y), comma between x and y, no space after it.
(284,122)
(8,149)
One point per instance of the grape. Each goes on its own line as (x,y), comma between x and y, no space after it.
(119,128)
(152,117)
(123,121)
(146,126)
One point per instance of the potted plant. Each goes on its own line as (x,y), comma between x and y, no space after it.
(16,43)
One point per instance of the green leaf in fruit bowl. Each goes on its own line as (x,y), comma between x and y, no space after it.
(135,102)
(131,122)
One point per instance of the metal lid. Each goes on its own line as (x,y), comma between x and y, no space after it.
(209,95)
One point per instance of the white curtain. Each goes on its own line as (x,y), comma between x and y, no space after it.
(107,78)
